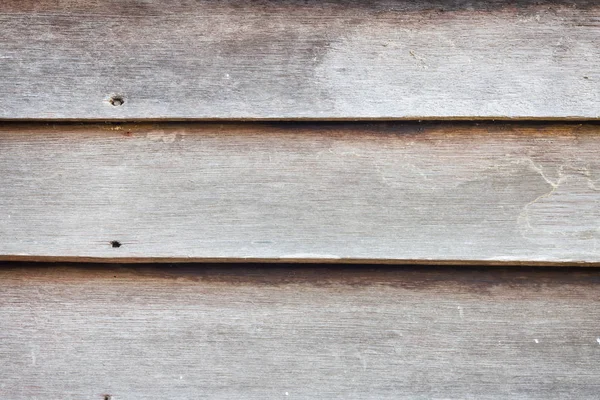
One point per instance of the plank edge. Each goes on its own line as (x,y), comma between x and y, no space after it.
(297,260)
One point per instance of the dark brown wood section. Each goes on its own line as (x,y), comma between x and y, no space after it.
(293,59)
(255,332)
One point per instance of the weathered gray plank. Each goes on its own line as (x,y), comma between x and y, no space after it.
(378,192)
(256,333)
(298,59)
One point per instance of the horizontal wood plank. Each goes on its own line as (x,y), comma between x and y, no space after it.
(385,192)
(83,333)
(294,59)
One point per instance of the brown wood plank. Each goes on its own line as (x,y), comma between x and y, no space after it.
(299,333)
(385,59)
(483,193)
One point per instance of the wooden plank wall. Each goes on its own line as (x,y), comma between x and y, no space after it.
(96,165)
(296,59)
(290,332)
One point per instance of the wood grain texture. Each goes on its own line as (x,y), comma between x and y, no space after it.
(292,59)
(385,192)
(80,333)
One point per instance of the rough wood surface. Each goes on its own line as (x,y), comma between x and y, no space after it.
(336,192)
(299,59)
(262,333)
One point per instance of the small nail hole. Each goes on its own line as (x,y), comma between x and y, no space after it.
(115,244)
(116,101)
(107,397)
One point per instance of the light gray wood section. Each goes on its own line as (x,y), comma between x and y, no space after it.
(233,333)
(337,192)
(299,59)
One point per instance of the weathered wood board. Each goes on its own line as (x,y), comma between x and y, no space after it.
(292,59)
(384,192)
(83,333)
